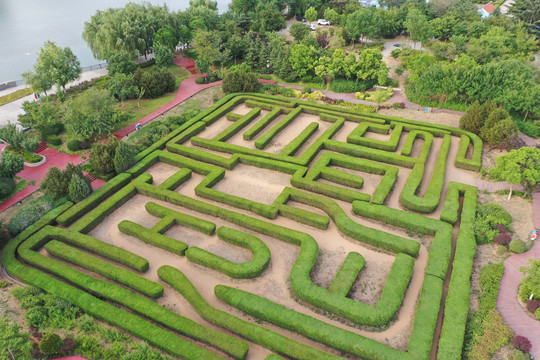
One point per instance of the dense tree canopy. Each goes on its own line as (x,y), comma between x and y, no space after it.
(520,166)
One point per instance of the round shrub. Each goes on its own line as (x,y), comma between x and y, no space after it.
(199,80)
(502,239)
(517,246)
(395,53)
(501,250)
(6,186)
(74,145)
(53,140)
(155,81)
(240,81)
(50,344)
(78,188)
(533,305)
(521,343)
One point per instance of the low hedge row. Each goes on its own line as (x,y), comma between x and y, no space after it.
(349,114)
(261,124)
(246,270)
(429,202)
(192,222)
(100,309)
(83,206)
(426,146)
(204,156)
(304,217)
(457,300)
(96,216)
(260,104)
(314,329)
(347,274)
(255,333)
(177,179)
(261,142)
(273,357)
(233,116)
(90,244)
(111,272)
(441,245)
(291,148)
(357,136)
(370,154)
(153,238)
(238,125)
(428,129)
(461,157)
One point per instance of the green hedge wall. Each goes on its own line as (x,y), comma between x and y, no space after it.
(262,123)
(347,274)
(246,270)
(262,141)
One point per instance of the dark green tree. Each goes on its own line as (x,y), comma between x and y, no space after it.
(78,188)
(154,81)
(101,159)
(298,31)
(120,62)
(12,164)
(124,157)
(240,81)
(527,11)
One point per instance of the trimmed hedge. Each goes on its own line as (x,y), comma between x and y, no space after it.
(291,148)
(153,238)
(426,146)
(108,189)
(261,124)
(246,270)
(429,202)
(314,329)
(256,333)
(347,274)
(261,142)
(238,125)
(304,216)
(112,272)
(357,136)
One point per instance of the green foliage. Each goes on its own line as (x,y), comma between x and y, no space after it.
(31,212)
(11,164)
(39,115)
(13,341)
(487,217)
(498,127)
(527,11)
(102,158)
(50,344)
(490,280)
(124,157)
(531,279)
(122,86)
(79,188)
(240,81)
(418,26)
(155,81)
(299,30)
(164,55)
(518,246)
(303,58)
(311,14)
(7,184)
(364,23)
(520,166)
(53,140)
(122,63)
(57,182)
(349,86)
(13,136)
(54,66)
(491,334)
(74,145)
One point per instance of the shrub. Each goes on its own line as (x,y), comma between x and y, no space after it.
(531,280)
(31,212)
(56,181)
(155,81)
(6,186)
(78,188)
(199,80)
(349,86)
(517,246)
(74,145)
(4,234)
(11,164)
(306,90)
(490,279)
(124,157)
(400,69)
(240,81)
(521,343)
(487,217)
(395,53)
(533,305)
(502,239)
(50,344)
(537,313)
(16,339)
(30,144)
(101,158)
(53,140)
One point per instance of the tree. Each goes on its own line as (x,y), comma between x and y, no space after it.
(311,14)
(154,81)
(11,164)
(13,136)
(474,119)
(418,26)
(520,166)
(498,127)
(121,63)
(527,11)
(240,81)
(91,114)
(101,158)
(78,188)
(39,115)
(303,59)
(39,82)
(331,15)
(364,23)
(268,19)
(13,341)
(56,181)
(54,65)
(206,45)
(122,86)
(164,44)
(299,31)
(124,157)
(369,64)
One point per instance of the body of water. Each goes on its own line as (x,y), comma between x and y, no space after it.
(26,24)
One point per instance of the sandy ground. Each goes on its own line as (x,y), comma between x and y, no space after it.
(264,186)
(434,118)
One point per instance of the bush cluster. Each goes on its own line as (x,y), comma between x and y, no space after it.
(521,343)
(70,181)
(488,217)
(155,81)
(115,157)
(32,212)
(240,81)
(350,86)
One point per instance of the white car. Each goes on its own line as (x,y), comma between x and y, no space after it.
(323,22)
(313,27)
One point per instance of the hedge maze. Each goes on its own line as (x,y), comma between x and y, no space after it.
(185,259)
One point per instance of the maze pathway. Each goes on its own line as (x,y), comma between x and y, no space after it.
(273,228)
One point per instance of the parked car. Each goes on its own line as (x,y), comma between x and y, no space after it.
(300,18)
(313,27)
(323,22)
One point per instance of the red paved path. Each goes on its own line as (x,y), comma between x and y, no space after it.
(18,197)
